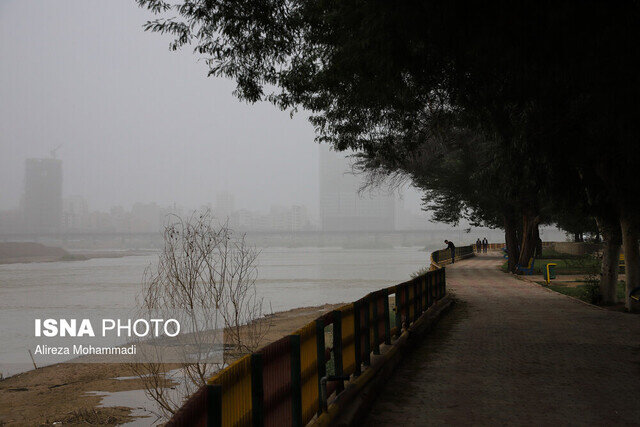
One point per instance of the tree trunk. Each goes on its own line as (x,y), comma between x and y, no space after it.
(511,239)
(610,231)
(630,234)
(528,246)
(538,240)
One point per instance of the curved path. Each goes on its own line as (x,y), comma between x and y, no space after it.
(512,352)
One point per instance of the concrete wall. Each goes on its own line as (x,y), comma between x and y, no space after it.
(576,248)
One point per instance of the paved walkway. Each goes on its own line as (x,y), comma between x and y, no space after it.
(513,352)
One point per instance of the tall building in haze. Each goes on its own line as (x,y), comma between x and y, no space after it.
(225,205)
(341,207)
(43,195)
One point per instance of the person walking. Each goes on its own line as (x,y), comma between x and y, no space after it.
(452,248)
(478,245)
(485,245)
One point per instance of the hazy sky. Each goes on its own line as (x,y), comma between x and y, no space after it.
(135,121)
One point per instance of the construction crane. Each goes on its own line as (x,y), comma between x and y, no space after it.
(53,152)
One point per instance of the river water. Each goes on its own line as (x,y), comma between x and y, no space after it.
(287,278)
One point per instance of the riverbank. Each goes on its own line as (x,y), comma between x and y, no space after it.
(62,393)
(27,252)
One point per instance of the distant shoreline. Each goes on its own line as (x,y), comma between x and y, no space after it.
(30,252)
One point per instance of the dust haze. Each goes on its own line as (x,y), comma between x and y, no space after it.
(134,123)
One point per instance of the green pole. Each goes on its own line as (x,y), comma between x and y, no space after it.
(337,347)
(366,331)
(375,321)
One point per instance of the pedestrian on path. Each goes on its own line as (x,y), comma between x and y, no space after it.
(478,245)
(485,245)
(452,248)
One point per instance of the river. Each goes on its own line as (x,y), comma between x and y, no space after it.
(287,278)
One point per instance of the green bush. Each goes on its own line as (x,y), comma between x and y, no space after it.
(591,290)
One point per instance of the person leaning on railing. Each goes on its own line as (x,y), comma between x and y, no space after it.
(452,248)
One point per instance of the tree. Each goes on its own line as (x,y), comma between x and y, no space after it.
(544,79)
(205,278)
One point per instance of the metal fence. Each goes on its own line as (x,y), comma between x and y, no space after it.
(499,246)
(286,382)
(443,256)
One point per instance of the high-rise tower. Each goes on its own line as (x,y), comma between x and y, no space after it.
(341,207)
(43,195)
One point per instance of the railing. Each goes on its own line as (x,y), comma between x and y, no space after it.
(443,256)
(287,382)
(499,246)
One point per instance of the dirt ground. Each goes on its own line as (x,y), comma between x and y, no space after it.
(58,394)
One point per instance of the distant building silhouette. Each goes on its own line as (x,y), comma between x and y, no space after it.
(43,195)
(341,207)
(75,210)
(225,205)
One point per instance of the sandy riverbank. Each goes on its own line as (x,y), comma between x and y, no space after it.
(61,393)
(26,252)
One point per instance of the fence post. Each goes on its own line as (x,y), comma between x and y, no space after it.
(444,282)
(214,405)
(398,310)
(296,382)
(337,347)
(322,367)
(407,304)
(366,331)
(417,290)
(376,323)
(257,391)
(430,285)
(387,319)
(356,336)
